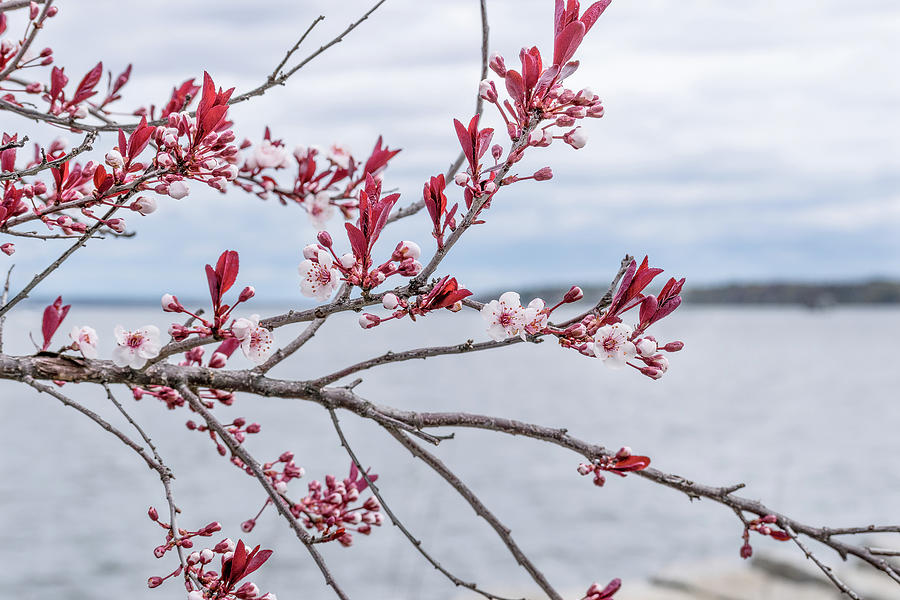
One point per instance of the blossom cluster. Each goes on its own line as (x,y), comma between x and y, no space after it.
(324,182)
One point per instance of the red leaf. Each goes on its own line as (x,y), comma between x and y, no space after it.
(593,13)
(208,97)
(515,85)
(357,240)
(213,281)
(567,42)
(227,270)
(139,139)
(123,145)
(256,561)
(781,536)
(85,89)
(464,140)
(632,463)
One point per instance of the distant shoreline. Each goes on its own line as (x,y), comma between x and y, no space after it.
(813,295)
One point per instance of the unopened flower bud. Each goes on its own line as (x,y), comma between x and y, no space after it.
(461,179)
(143,205)
(178,189)
(543,174)
(8,249)
(496,151)
(673,346)
(497,64)
(624,452)
(565,121)
(368,320)
(253,428)
(406,249)
(325,239)
(117,225)
(247,293)
(159,551)
(114,159)
(217,360)
(595,111)
(280,487)
(193,558)
(34,88)
(646,347)
(584,468)
(577,138)
(154,582)
(390,301)
(153,514)
(170,303)
(746,550)
(487,90)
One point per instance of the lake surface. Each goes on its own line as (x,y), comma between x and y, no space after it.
(801,405)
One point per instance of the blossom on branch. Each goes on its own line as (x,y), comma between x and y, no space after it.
(135,348)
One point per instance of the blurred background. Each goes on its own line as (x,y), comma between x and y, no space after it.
(742,142)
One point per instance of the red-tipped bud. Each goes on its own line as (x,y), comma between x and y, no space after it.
(170,303)
(584,468)
(390,301)
(746,550)
(769,519)
(673,346)
(154,582)
(496,152)
(51,12)
(247,293)
(33,10)
(248,525)
(599,479)
(325,239)
(488,91)
(497,65)
(543,174)
(406,249)
(8,249)
(624,452)
(574,294)
(160,551)
(154,516)
(576,330)
(368,320)
(217,360)
(117,225)
(253,428)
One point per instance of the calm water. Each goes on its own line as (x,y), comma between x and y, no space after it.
(800,405)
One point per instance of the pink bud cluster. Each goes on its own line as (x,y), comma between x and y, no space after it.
(236,562)
(764,526)
(622,463)
(239,429)
(10,50)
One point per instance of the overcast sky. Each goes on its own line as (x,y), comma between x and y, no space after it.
(742,141)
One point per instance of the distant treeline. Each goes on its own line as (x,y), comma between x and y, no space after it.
(806,294)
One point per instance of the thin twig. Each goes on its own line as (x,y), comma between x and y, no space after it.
(36,25)
(417,544)
(480,509)
(3,303)
(59,261)
(290,52)
(829,572)
(84,146)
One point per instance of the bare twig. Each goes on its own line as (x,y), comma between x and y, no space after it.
(36,26)
(290,52)
(151,462)
(417,544)
(480,509)
(829,572)
(3,303)
(59,261)
(415,207)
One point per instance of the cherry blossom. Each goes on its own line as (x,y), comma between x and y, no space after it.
(256,341)
(319,208)
(85,339)
(268,155)
(612,346)
(505,317)
(319,279)
(136,347)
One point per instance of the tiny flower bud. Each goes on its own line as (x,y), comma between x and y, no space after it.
(154,582)
(154,516)
(406,249)
(193,558)
(624,452)
(170,303)
(576,138)
(461,179)
(247,293)
(143,205)
(543,174)
(253,428)
(573,295)
(390,301)
(497,64)
(117,225)
(178,189)
(114,159)
(280,487)
(368,320)
(217,360)
(487,90)
(673,346)
(34,87)
(746,550)
(584,468)
(325,239)
(33,10)
(8,249)
(347,260)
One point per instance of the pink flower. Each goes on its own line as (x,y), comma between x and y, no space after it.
(319,208)
(268,155)
(86,340)
(135,347)
(611,344)
(256,341)
(535,318)
(505,317)
(340,156)
(319,279)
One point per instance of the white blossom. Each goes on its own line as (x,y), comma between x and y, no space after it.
(611,345)
(319,279)
(86,340)
(135,348)
(505,317)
